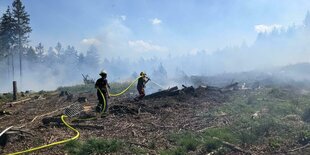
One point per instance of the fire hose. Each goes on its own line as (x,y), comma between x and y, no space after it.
(73,129)
(55,143)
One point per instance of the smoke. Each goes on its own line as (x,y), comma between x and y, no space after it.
(124,57)
(268,28)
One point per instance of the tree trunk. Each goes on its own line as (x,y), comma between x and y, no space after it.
(14,91)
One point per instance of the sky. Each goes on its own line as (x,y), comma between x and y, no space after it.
(135,28)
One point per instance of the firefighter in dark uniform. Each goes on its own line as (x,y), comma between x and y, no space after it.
(141,85)
(102,85)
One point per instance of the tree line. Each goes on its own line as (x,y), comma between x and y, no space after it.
(14,35)
(66,64)
(16,56)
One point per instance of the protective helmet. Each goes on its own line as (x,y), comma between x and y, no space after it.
(102,73)
(142,74)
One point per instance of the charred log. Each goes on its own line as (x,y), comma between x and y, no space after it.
(169,92)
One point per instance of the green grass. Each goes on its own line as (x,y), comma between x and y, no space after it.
(6,98)
(277,126)
(275,143)
(93,146)
(174,151)
(211,144)
(78,88)
(282,123)
(187,140)
(225,134)
(273,105)
(184,142)
(137,150)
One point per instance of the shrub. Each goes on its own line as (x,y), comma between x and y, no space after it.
(6,97)
(274,143)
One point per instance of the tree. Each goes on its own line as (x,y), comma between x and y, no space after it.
(58,48)
(31,55)
(22,28)
(51,57)
(70,57)
(81,59)
(7,39)
(92,58)
(40,52)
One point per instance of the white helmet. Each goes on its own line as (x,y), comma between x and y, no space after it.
(103,72)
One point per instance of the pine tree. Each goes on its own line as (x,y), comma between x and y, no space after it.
(70,57)
(81,62)
(40,52)
(81,59)
(92,58)
(51,57)
(58,48)
(31,55)
(22,28)
(70,61)
(7,39)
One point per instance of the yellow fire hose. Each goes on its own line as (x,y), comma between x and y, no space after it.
(104,101)
(76,131)
(55,143)
(122,92)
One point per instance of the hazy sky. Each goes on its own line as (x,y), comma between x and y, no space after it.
(157,27)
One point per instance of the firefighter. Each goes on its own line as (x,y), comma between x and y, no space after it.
(103,86)
(143,79)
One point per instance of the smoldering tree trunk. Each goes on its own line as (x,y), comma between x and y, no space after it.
(14,91)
